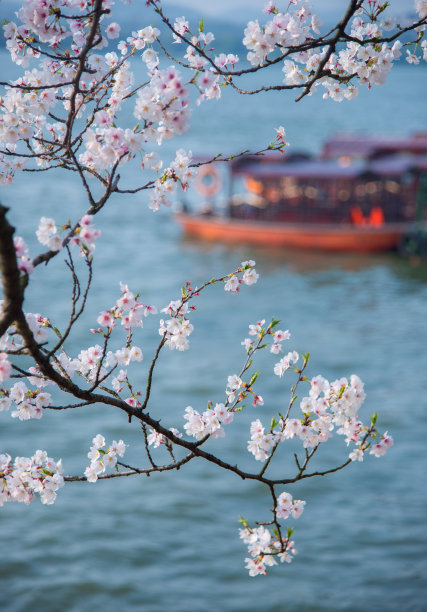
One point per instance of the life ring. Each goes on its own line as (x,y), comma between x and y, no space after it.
(213,184)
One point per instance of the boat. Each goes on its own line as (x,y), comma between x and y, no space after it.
(360,195)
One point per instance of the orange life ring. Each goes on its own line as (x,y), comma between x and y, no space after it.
(213,184)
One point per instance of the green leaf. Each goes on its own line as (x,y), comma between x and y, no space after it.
(374,419)
(240,408)
(244,522)
(383,7)
(201,26)
(253,378)
(273,423)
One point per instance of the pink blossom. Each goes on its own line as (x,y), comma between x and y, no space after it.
(5,367)
(112,30)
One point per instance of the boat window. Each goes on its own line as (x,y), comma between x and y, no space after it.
(343,195)
(372,187)
(360,190)
(253,185)
(311,192)
(367,199)
(392,186)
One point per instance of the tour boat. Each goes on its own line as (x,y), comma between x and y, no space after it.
(360,195)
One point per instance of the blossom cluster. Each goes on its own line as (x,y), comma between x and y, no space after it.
(155,439)
(12,341)
(329,406)
(47,234)
(161,105)
(207,80)
(129,310)
(5,367)
(365,63)
(179,172)
(95,362)
(265,548)
(29,402)
(138,40)
(178,328)
(260,442)
(285,363)
(102,456)
(209,423)
(85,235)
(24,112)
(250,276)
(258,331)
(25,264)
(287,506)
(21,479)
(276,347)
(234,383)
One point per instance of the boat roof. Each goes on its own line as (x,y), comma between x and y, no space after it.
(368,146)
(390,166)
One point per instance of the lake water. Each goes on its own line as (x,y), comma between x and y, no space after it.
(170,542)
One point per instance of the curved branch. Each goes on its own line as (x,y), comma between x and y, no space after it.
(134,471)
(13,284)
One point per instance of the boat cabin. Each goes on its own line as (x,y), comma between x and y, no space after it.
(298,189)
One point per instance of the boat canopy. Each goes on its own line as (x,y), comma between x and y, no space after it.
(369,147)
(394,166)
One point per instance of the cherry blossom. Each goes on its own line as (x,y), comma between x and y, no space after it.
(285,363)
(22,479)
(5,367)
(103,456)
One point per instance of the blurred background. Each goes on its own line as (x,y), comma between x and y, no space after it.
(171,541)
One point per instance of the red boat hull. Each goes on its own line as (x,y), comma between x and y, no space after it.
(343,238)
